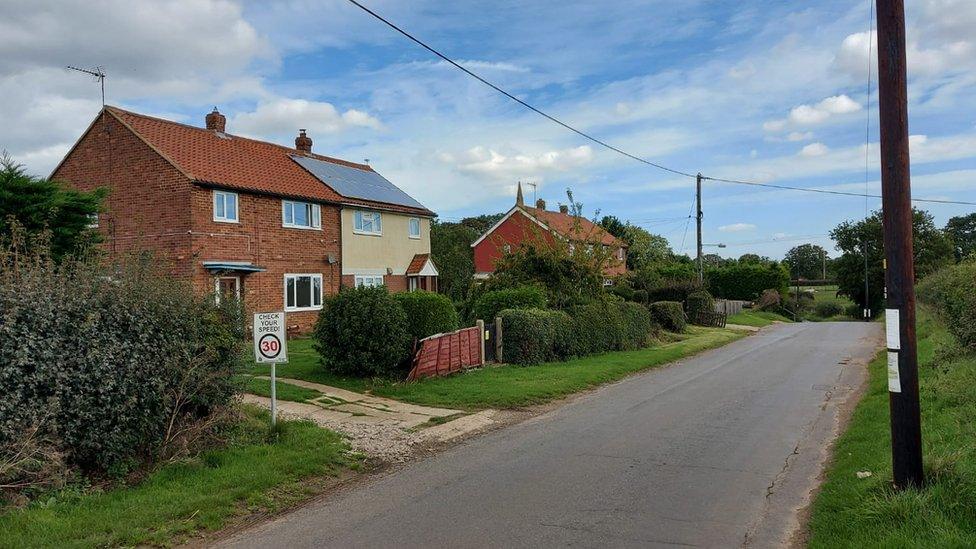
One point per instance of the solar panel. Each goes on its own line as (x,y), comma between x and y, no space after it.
(356,183)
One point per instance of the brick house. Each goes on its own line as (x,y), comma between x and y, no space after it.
(523,223)
(278,227)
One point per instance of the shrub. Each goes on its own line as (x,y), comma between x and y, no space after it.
(673,290)
(363,332)
(427,313)
(771,300)
(952,292)
(490,303)
(669,314)
(115,370)
(636,325)
(640,296)
(596,327)
(700,301)
(854,311)
(828,309)
(533,336)
(747,281)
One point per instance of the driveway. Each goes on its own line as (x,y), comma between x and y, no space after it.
(719,450)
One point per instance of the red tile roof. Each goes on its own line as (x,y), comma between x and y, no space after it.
(417,264)
(225,160)
(574,228)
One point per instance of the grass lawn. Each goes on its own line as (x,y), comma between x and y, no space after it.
(303,363)
(751,317)
(182,499)
(853,512)
(283,391)
(514,386)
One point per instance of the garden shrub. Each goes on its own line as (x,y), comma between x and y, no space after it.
(489,304)
(428,313)
(597,327)
(673,290)
(700,301)
(770,300)
(112,371)
(828,309)
(363,332)
(533,336)
(854,311)
(747,281)
(636,325)
(952,292)
(669,315)
(640,296)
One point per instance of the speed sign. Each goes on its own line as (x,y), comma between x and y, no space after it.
(270,342)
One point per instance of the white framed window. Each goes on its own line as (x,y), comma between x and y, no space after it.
(414,227)
(369,281)
(368,222)
(225,207)
(300,215)
(607,282)
(92,221)
(412,284)
(620,254)
(507,248)
(303,292)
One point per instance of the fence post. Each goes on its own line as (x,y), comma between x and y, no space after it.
(481,336)
(498,339)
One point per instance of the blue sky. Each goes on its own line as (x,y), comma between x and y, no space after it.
(767,91)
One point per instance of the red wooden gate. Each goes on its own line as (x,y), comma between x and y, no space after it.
(444,354)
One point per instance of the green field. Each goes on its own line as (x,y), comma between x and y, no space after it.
(752,317)
(249,475)
(855,512)
(509,386)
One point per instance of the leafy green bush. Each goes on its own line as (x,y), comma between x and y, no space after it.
(427,313)
(700,301)
(747,281)
(112,370)
(533,336)
(828,309)
(669,315)
(854,311)
(610,326)
(673,290)
(640,296)
(490,303)
(363,332)
(636,325)
(952,292)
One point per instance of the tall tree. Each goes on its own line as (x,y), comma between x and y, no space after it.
(644,248)
(932,250)
(806,261)
(41,205)
(962,230)
(481,223)
(450,247)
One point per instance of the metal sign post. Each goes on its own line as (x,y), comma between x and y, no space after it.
(271,347)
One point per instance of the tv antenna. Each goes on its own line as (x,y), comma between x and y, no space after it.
(533,185)
(98,73)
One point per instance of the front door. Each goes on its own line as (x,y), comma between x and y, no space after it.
(228,287)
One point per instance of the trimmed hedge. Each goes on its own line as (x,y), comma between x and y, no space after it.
(673,290)
(827,309)
(670,315)
(698,302)
(952,291)
(363,332)
(428,313)
(747,281)
(533,336)
(489,304)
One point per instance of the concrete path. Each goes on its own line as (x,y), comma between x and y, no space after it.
(718,451)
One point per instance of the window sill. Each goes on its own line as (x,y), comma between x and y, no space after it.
(302,309)
(235,221)
(301,227)
(364,233)
(415,237)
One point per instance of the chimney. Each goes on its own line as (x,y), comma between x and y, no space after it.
(563,209)
(540,204)
(303,142)
(216,121)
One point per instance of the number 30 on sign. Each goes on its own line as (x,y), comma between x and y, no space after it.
(270,341)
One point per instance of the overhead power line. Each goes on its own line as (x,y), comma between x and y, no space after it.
(597,140)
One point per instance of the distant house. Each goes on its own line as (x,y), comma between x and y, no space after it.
(522,224)
(276,226)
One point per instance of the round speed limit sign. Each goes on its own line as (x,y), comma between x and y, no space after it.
(269,346)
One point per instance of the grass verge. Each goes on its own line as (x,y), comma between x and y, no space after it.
(249,475)
(866,512)
(283,391)
(513,386)
(749,317)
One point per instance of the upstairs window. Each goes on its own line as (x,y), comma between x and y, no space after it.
(303,292)
(414,227)
(301,215)
(367,222)
(225,207)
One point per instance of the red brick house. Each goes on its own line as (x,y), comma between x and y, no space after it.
(276,226)
(522,224)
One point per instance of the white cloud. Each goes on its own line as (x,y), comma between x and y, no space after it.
(799,136)
(814,149)
(737,228)
(488,162)
(284,116)
(811,115)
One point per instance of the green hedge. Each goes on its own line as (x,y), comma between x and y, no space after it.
(489,304)
(363,332)
(533,336)
(700,301)
(428,313)
(747,281)
(670,315)
(952,292)
(673,290)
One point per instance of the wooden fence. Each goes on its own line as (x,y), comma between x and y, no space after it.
(444,354)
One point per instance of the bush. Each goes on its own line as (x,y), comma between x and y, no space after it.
(673,290)
(747,281)
(533,336)
(700,301)
(363,332)
(828,309)
(640,296)
(114,370)
(854,311)
(490,303)
(427,313)
(771,300)
(636,325)
(952,292)
(669,314)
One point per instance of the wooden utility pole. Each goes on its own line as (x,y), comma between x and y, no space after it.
(896,194)
(698,220)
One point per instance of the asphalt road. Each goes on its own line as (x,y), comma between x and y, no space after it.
(715,451)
